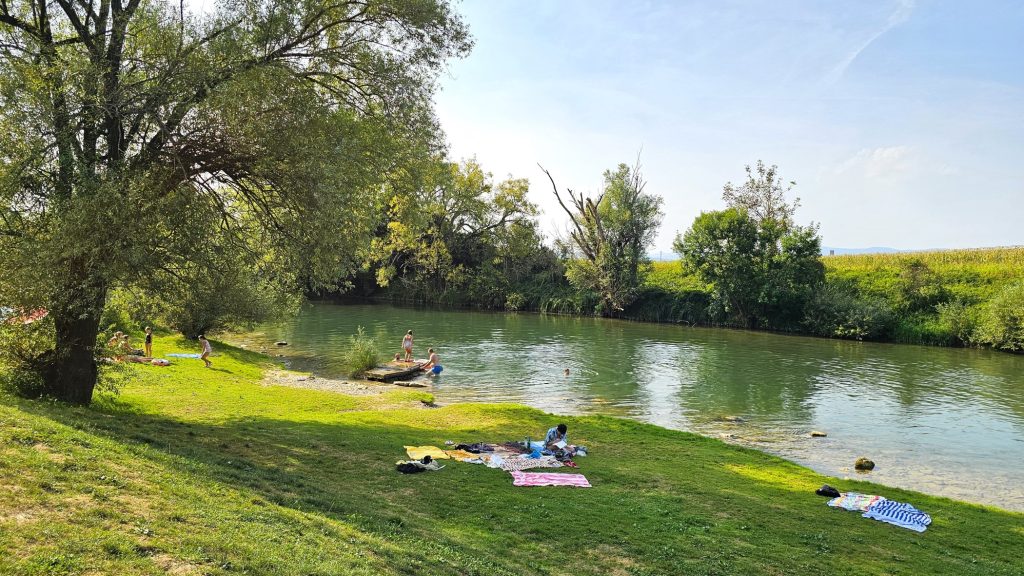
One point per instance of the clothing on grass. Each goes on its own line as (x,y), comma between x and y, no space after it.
(475,448)
(899,514)
(418,452)
(854,501)
(549,479)
(416,466)
(181,355)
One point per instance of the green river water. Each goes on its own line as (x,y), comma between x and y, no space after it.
(943,421)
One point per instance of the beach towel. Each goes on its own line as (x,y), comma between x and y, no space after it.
(463,456)
(418,452)
(514,463)
(899,514)
(854,501)
(548,479)
(181,355)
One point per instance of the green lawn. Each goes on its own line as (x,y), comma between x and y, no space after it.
(196,471)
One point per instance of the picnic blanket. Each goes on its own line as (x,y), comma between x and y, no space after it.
(854,501)
(463,456)
(548,479)
(513,463)
(899,514)
(418,452)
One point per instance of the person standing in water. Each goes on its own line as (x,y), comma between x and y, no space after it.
(407,346)
(433,362)
(149,342)
(207,350)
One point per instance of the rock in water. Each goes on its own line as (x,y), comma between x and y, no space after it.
(818,434)
(281,343)
(863,464)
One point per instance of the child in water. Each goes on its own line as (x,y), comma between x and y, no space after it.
(407,346)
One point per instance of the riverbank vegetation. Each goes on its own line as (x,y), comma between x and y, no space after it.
(207,471)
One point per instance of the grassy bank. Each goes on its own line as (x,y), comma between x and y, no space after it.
(196,471)
(942,297)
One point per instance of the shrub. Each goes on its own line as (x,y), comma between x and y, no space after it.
(1002,323)
(362,354)
(515,301)
(959,319)
(837,311)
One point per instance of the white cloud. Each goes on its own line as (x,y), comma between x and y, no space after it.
(884,162)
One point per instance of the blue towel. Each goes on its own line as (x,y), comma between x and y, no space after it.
(899,514)
(181,355)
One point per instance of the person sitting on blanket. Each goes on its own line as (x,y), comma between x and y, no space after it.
(557,442)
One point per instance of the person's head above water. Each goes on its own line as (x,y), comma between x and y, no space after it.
(562,428)
(409,332)
(430,350)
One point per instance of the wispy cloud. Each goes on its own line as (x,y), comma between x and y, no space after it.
(881,162)
(899,16)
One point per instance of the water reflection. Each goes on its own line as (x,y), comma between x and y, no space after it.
(941,420)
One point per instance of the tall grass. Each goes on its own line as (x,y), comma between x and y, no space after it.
(362,354)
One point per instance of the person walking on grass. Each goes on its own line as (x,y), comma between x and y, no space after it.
(149,342)
(407,346)
(207,350)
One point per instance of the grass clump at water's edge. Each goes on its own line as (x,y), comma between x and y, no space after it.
(196,471)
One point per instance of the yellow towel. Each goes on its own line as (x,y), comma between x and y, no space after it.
(461,455)
(418,452)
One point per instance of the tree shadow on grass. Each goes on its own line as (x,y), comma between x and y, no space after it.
(660,500)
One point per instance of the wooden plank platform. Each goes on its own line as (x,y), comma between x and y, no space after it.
(394,370)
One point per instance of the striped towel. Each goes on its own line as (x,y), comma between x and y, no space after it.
(899,514)
(549,479)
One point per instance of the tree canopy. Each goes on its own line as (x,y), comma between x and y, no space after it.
(138,140)
(760,265)
(609,237)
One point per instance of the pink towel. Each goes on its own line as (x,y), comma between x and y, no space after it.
(548,479)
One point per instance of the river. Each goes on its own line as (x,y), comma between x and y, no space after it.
(942,421)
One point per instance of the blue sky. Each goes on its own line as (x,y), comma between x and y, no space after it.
(902,122)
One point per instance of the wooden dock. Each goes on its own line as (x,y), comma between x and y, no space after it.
(394,370)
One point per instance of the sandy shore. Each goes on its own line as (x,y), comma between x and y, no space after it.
(351,387)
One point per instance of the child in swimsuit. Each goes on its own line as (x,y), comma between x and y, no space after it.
(407,346)
(207,350)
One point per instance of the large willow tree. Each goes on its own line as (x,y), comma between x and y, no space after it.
(137,138)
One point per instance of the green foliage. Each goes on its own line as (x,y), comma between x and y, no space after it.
(835,310)
(362,353)
(917,288)
(761,274)
(140,140)
(609,238)
(958,319)
(1002,323)
(761,267)
(452,235)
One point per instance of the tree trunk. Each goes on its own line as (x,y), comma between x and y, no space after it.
(71,370)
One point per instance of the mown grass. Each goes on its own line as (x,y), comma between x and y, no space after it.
(196,471)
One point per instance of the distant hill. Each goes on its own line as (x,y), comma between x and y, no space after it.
(826,250)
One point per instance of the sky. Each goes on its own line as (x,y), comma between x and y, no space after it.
(901,122)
